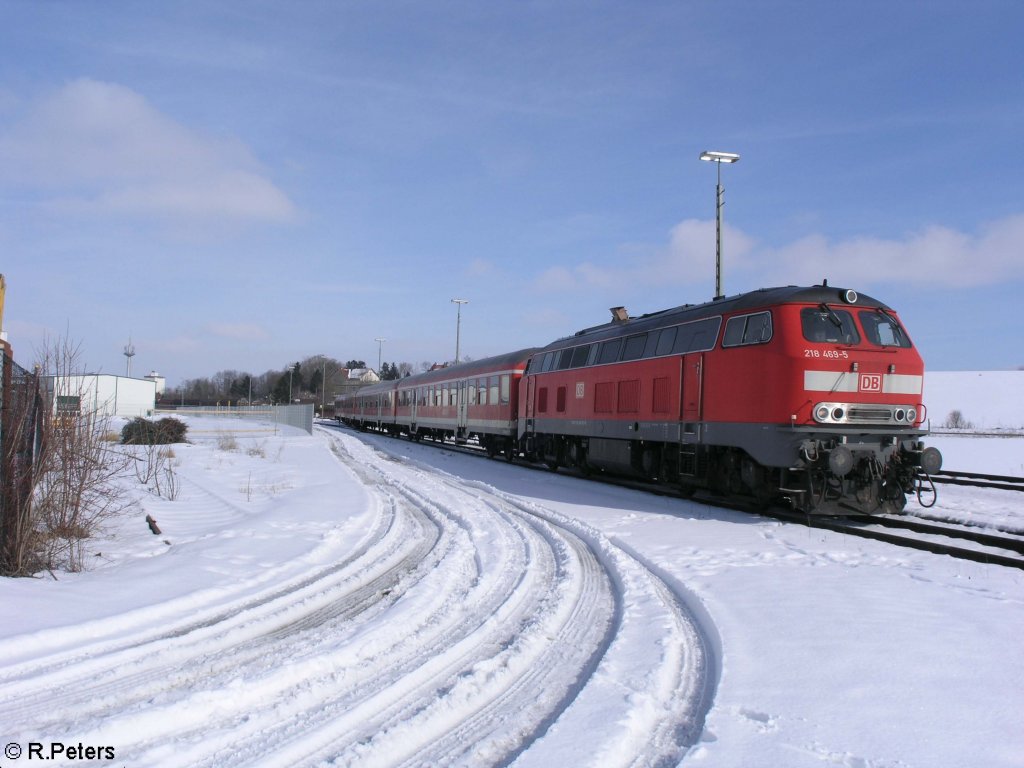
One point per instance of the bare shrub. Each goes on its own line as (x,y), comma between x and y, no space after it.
(78,484)
(227,442)
(155,468)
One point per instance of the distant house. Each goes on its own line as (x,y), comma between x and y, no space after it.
(354,379)
(100,394)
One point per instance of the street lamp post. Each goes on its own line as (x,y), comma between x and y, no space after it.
(380,349)
(458,325)
(718,158)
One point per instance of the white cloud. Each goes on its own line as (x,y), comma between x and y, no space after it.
(101,148)
(688,258)
(935,255)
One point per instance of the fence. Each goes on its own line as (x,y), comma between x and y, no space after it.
(21,434)
(300,416)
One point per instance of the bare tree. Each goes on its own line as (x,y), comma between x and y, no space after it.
(78,486)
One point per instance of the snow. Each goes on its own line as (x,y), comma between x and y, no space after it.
(346,599)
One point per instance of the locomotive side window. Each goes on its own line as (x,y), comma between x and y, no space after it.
(882,330)
(579,356)
(652,343)
(666,341)
(565,359)
(705,334)
(634,348)
(824,325)
(748,329)
(609,351)
(549,361)
(698,336)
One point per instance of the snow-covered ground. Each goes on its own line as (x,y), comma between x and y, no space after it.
(344,599)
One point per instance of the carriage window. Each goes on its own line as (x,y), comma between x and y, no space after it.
(609,351)
(492,397)
(824,325)
(748,329)
(579,356)
(506,386)
(883,330)
(634,348)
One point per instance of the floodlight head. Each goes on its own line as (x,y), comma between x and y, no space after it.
(719,157)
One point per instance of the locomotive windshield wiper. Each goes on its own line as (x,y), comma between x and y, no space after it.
(830,313)
(897,330)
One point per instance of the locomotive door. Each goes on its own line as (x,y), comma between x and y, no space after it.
(693,394)
(531,390)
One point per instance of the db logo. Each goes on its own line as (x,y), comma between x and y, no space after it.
(871,382)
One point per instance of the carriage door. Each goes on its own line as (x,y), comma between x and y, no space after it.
(693,392)
(461,408)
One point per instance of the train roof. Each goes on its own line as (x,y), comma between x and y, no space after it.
(486,366)
(752,300)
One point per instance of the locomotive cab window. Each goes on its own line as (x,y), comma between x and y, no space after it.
(824,325)
(748,329)
(883,330)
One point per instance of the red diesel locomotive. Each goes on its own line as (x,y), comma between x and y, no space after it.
(811,395)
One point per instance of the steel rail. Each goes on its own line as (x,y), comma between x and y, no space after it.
(850,525)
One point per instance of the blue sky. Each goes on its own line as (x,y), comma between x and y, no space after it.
(241,185)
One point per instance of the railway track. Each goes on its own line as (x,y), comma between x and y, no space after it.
(956,541)
(1001,482)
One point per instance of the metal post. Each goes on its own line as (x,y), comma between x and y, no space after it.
(719,202)
(718,158)
(458,325)
(380,349)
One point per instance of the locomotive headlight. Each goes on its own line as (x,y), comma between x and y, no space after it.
(838,413)
(912,415)
(822,413)
(900,415)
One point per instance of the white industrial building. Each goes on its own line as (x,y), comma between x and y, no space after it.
(101,394)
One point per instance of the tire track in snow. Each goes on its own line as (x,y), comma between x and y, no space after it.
(471,628)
